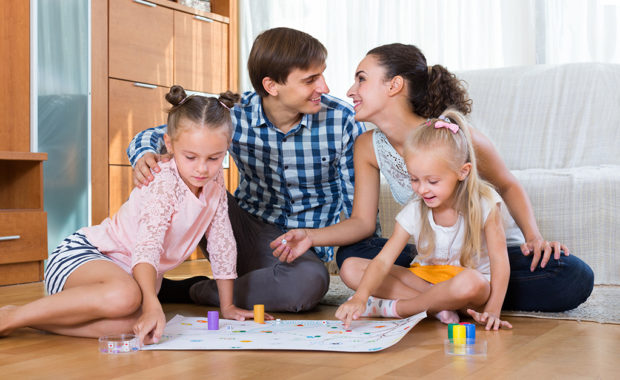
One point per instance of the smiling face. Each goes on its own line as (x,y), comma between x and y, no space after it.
(198,152)
(303,89)
(433,178)
(370,90)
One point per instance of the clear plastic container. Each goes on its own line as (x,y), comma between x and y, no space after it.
(475,348)
(119,344)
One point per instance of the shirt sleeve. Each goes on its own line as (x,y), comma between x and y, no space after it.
(221,243)
(158,205)
(409,218)
(347,178)
(149,140)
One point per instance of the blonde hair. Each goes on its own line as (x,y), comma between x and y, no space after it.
(468,191)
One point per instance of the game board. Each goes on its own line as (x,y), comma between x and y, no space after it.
(191,333)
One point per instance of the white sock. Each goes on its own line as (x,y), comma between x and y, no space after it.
(379,307)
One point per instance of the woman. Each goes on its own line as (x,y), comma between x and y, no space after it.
(396,90)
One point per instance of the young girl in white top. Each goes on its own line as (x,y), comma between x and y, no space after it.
(104,279)
(462,259)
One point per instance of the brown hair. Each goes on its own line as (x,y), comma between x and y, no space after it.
(276,52)
(431,89)
(208,111)
(468,191)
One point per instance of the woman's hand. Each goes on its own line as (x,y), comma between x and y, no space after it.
(289,246)
(350,311)
(490,320)
(238,314)
(539,246)
(150,325)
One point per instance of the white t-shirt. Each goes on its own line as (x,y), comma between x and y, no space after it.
(448,240)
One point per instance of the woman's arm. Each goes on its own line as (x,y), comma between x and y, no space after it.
(362,222)
(492,168)
(374,275)
(151,323)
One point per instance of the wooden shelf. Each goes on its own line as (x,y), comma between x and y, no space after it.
(22,156)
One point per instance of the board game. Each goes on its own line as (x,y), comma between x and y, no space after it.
(191,333)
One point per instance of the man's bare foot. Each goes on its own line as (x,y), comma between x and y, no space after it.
(447,317)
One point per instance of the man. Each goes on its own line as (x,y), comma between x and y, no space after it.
(293,145)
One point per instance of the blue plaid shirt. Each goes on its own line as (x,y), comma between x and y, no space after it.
(301,179)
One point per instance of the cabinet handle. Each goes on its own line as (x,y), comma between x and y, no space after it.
(145,3)
(138,84)
(200,18)
(14,237)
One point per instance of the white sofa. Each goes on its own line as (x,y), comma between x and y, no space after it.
(557,127)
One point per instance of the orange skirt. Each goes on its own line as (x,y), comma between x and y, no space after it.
(435,273)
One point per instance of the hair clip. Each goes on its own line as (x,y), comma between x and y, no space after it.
(443,124)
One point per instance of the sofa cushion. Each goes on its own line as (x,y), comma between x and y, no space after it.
(549,116)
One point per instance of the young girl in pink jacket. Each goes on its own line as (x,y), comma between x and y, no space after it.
(104,279)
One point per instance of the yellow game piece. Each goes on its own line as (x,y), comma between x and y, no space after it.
(259,313)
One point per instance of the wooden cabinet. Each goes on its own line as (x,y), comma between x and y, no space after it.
(23,223)
(141,42)
(200,53)
(140,49)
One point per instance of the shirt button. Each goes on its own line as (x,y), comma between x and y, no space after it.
(289,185)
(284,139)
(285,167)
(292,202)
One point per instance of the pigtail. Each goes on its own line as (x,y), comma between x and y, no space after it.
(176,95)
(229,98)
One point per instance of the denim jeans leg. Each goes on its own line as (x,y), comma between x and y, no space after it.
(370,247)
(562,285)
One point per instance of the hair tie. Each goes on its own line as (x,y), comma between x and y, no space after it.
(444,122)
(184,100)
(222,103)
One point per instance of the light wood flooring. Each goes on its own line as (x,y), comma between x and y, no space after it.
(534,349)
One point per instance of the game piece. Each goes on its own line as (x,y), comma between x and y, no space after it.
(284,241)
(259,313)
(213,319)
(462,341)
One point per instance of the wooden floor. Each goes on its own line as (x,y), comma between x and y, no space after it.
(534,349)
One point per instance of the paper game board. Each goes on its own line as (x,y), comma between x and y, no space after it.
(191,333)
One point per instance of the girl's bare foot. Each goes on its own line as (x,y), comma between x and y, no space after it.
(5,312)
(447,317)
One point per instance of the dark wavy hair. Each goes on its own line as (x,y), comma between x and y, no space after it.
(431,89)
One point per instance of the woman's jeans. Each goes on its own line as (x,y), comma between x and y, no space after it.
(562,285)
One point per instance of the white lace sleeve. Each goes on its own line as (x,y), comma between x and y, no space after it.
(221,243)
(159,200)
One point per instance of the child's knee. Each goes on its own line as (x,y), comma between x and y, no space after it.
(121,299)
(352,269)
(470,284)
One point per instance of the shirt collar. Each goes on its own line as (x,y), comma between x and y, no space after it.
(258,112)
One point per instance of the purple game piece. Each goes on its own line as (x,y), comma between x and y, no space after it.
(213,320)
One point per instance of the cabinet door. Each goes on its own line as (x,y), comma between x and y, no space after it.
(201,53)
(141,45)
(133,108)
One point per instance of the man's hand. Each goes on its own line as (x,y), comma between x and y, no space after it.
(238,314)
(539,247)
(142,170)
(289,246)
